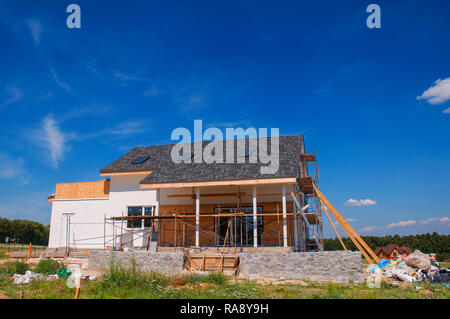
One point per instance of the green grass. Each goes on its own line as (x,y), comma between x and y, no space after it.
(11,268)
(121,282)
(445,265)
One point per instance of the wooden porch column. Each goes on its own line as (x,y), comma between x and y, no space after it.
(197,219)
(255,219)
(283,191)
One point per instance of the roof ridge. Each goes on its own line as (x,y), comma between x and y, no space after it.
(246,138)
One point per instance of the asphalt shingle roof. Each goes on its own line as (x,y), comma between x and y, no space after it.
(164,170)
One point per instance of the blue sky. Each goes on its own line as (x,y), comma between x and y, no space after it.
(73,100)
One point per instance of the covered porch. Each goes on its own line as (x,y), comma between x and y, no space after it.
(225,216)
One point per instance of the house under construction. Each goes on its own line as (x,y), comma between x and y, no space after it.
(151,202)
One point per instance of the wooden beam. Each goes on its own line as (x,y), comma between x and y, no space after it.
(204,195)
(201,216)
(345,225)
(332,224)
(235,182)
(124,173)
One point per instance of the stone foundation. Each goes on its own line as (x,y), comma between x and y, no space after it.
(166,263)
(334,266)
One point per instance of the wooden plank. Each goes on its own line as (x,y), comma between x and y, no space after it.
(221,183)
(97,189)
(332,224)
(347,228)
(308,157)
(203,195)
(130,172)
(201,216)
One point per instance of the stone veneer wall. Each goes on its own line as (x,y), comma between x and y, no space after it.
(334,266)
(168,262)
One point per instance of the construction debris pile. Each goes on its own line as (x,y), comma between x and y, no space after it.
(30,276)
(416,267)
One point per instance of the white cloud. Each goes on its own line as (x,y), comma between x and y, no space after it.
(361,202)
(55,140)
(446,111)
(129,127)
(408,223)
(195,100)
(351,219)
(49,137)
(127,77)
(13,168)
(90,110)
(368,229)
(15,94)
(438,93)
(65,86)
(427,221)
(402,223)
(152,91)
(444,220)
(35,29)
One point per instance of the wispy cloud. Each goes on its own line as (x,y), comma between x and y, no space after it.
(35,28)
(361,202)
(129,127)
(152,91)
(64,85)
(195,100)
(13,168)
(51,139)
(55,143)
(368,229)
(438,93)
(427,221)
(408,223)
(15,94)
(192,102)
(127,77)
(446,111)
(89,110)
(402,224)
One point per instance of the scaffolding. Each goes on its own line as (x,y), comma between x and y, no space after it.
(182,226)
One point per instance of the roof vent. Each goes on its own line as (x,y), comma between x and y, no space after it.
(140,160)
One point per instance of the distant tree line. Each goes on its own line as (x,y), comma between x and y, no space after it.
(24,231)
(426,243)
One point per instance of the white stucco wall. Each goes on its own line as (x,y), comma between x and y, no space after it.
(86,223)
(124,192)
